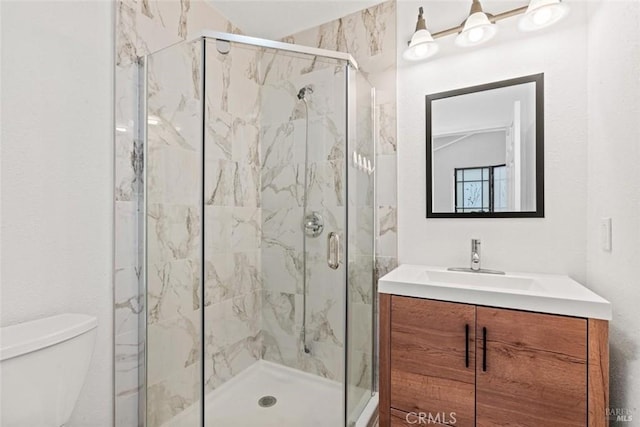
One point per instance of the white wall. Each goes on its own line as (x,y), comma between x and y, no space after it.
(556,243)
(613,190)
(57,180)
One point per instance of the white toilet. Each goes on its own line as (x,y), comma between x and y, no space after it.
(43,364)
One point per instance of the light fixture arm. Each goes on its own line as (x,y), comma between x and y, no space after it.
(492,18)
(479,27)
(422,23)
(421,45)
(475,7)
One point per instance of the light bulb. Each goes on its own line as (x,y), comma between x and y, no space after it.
(421,50)
(542,17)
(542,13)
(477,29)
(475,35)
(422,46)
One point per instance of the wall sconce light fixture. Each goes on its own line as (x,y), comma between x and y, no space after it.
(542,13)
(477,28)
(480,27)
(422,44)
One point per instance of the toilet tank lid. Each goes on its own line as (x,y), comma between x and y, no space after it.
(23,338)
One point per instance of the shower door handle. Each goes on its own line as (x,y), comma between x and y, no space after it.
(333,250)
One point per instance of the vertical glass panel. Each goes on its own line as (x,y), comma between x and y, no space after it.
(232,224)
(361,291)
(472,194)
(173,230)
(472,175)
(485,195)
(275,326)
(500,189)
(232,273)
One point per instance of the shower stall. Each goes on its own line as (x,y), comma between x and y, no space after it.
(258,225)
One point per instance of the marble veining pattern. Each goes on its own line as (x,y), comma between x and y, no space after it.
(254,174)
(174,233)
(369,36)
(144,26)
(233,216)
(283,133)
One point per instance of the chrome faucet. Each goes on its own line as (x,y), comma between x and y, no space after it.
(475,254)
(475,261)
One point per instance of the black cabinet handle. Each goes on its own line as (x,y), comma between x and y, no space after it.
(484,349)
(466,345)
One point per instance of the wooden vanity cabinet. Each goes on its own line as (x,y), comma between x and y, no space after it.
(433,357)
(535,371)
(489,366)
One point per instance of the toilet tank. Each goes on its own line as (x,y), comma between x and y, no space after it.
(43,364)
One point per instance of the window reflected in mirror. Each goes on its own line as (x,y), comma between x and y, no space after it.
(482,189)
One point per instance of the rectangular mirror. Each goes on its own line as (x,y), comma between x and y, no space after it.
(485,150)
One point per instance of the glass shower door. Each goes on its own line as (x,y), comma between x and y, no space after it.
(275,150)
(259,237)
(173,214)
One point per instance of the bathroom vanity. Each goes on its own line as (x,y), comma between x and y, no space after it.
(469,349)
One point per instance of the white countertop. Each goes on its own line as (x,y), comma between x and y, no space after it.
(544,293)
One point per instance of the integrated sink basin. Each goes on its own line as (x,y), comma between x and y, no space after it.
(543,293)
(456,278)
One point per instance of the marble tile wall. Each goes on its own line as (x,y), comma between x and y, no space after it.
(284,137)
(142,26)
(237,180)
(369,36)
(174,213)
(233,213)
(232,221)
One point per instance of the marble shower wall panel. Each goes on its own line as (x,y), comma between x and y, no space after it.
(370,37)
(233,213)
(174,214)
(283,139)
(142,27)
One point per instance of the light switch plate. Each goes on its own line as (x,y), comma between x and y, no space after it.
(605,234)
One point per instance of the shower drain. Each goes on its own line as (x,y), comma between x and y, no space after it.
(267,401)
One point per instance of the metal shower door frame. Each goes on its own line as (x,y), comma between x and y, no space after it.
(142,133)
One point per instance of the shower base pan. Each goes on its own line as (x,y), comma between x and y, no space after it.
(301,399)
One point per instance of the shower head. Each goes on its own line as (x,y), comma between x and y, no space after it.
(304,91)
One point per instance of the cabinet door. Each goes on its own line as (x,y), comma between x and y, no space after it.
(535,370)
(433,358)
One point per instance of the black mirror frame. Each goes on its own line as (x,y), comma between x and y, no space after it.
(538,79)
